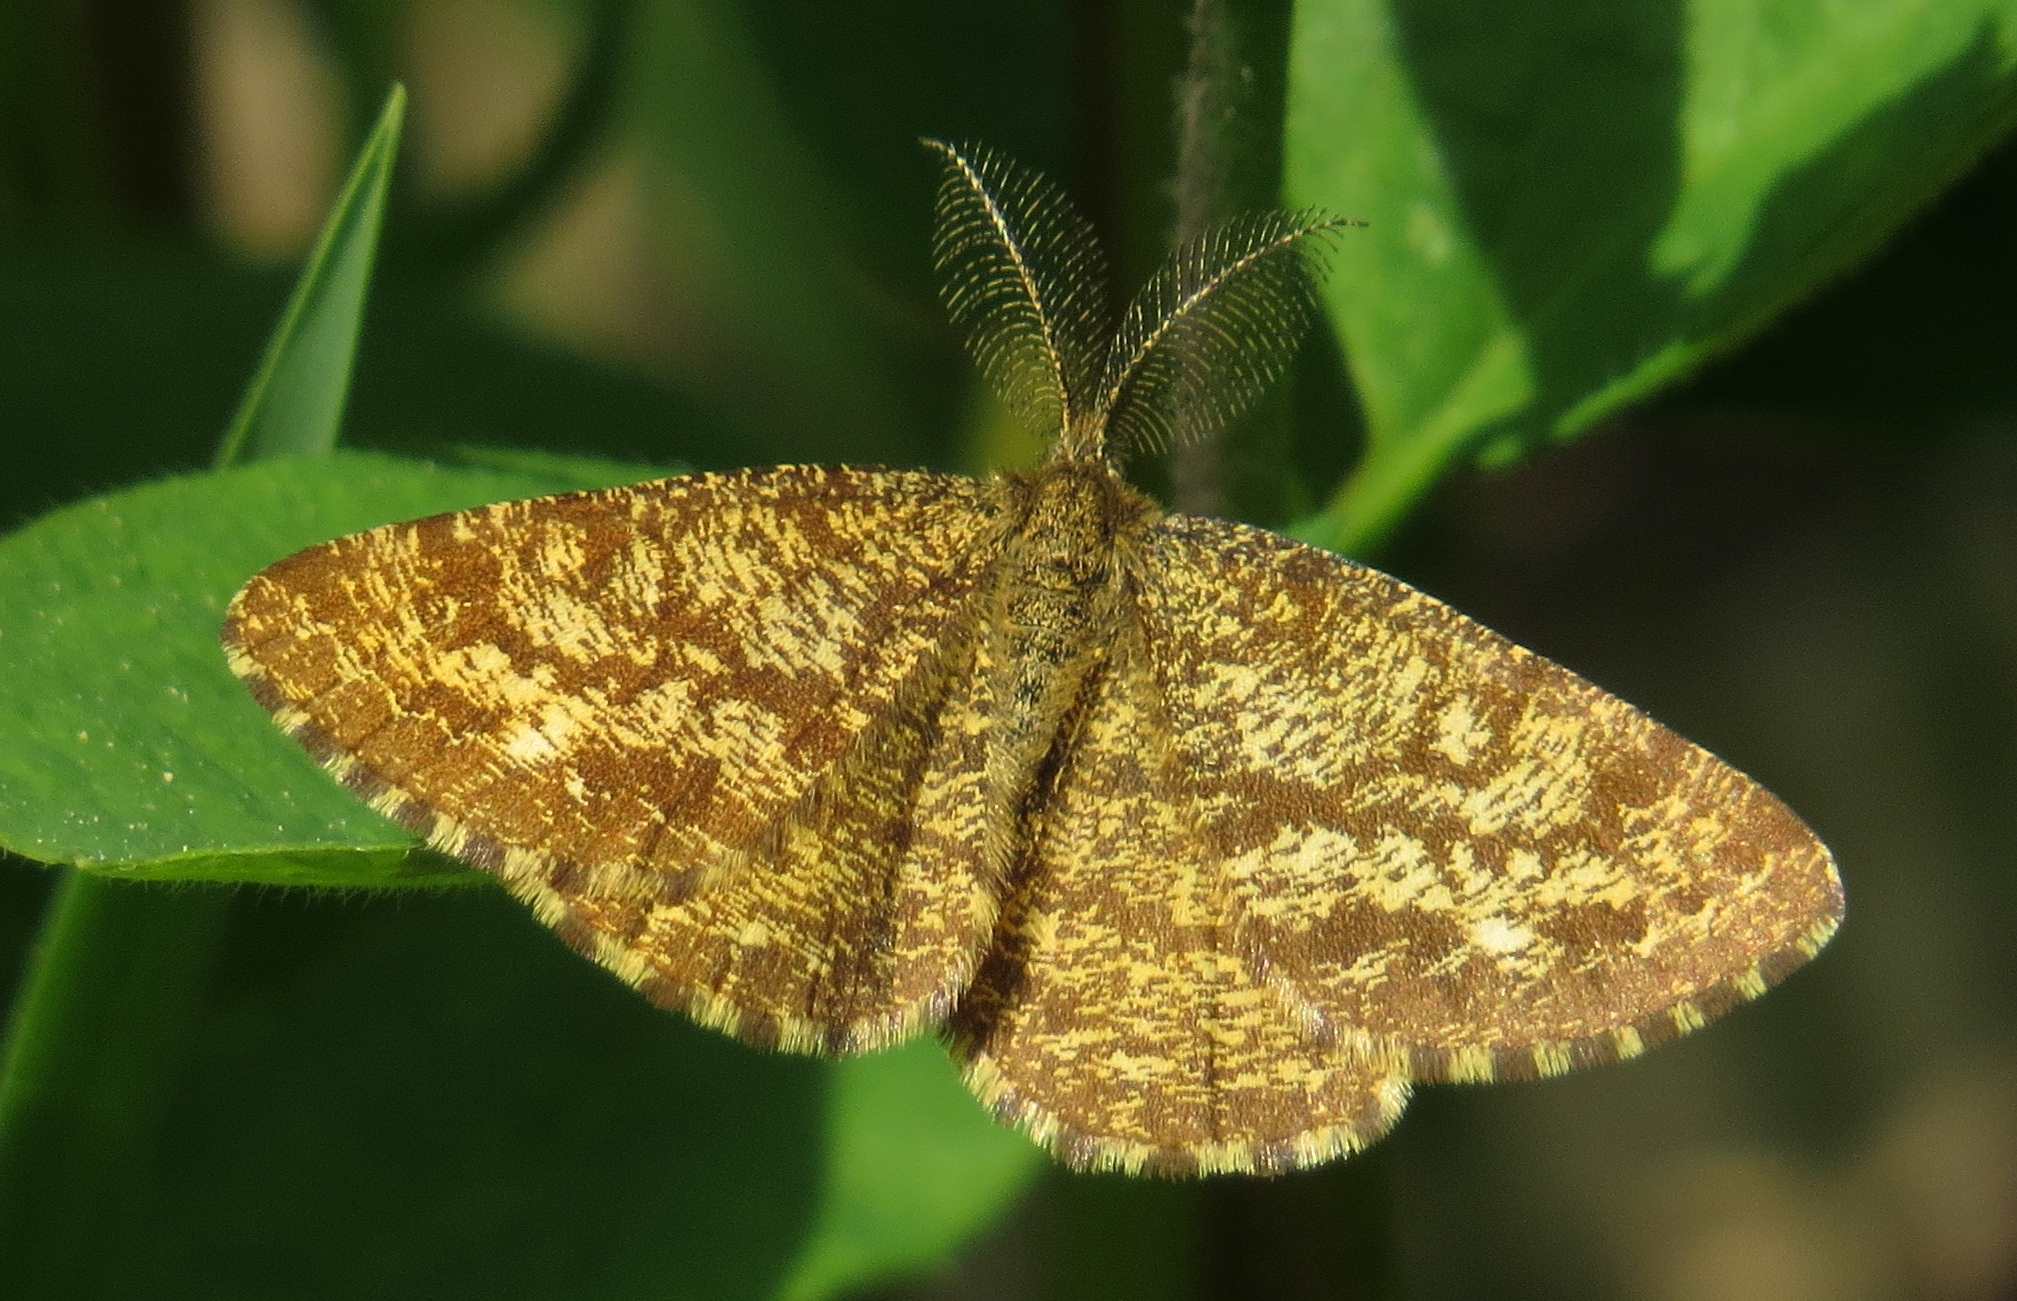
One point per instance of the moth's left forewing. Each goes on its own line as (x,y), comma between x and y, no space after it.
(1449,846)
(629,686)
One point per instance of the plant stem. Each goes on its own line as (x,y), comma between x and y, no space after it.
(1229,128)
(1228,120)
(94,1047)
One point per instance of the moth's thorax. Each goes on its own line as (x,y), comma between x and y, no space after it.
(1074,522)
(1057,601)
(1061,573)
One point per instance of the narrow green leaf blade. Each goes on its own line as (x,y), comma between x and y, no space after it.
(132,749)
(295,401)
(1574,204)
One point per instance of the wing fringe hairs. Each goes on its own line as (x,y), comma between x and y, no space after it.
(1197,844)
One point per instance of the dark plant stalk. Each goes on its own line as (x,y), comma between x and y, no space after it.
(1229,101)
(1268,1237)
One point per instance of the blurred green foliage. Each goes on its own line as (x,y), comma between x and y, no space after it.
(1801,557)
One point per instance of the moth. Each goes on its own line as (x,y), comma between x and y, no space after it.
(1199,846)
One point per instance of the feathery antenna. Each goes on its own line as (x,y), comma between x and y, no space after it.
(1212,329)
(1023,277)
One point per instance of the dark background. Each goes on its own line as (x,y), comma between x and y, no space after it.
(1801,557)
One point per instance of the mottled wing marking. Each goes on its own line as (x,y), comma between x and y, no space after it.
(856,922)
(1112,1020)
(632,684)
(1445,844)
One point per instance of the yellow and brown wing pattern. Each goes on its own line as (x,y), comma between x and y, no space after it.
(633,684)
(1447,847)
(1115,1019)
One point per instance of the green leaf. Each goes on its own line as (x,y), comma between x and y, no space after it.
(132,750)
(896,1164)
(428,1095)
(1574,204)
(95,1036)
(914,1167)
(295,401)
(106,1012)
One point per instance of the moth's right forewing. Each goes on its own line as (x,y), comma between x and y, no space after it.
(626,686)
(1447,845)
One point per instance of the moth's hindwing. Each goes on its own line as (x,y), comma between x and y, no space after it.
(1115,1020)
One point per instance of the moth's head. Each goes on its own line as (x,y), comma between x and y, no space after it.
(1023,276)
